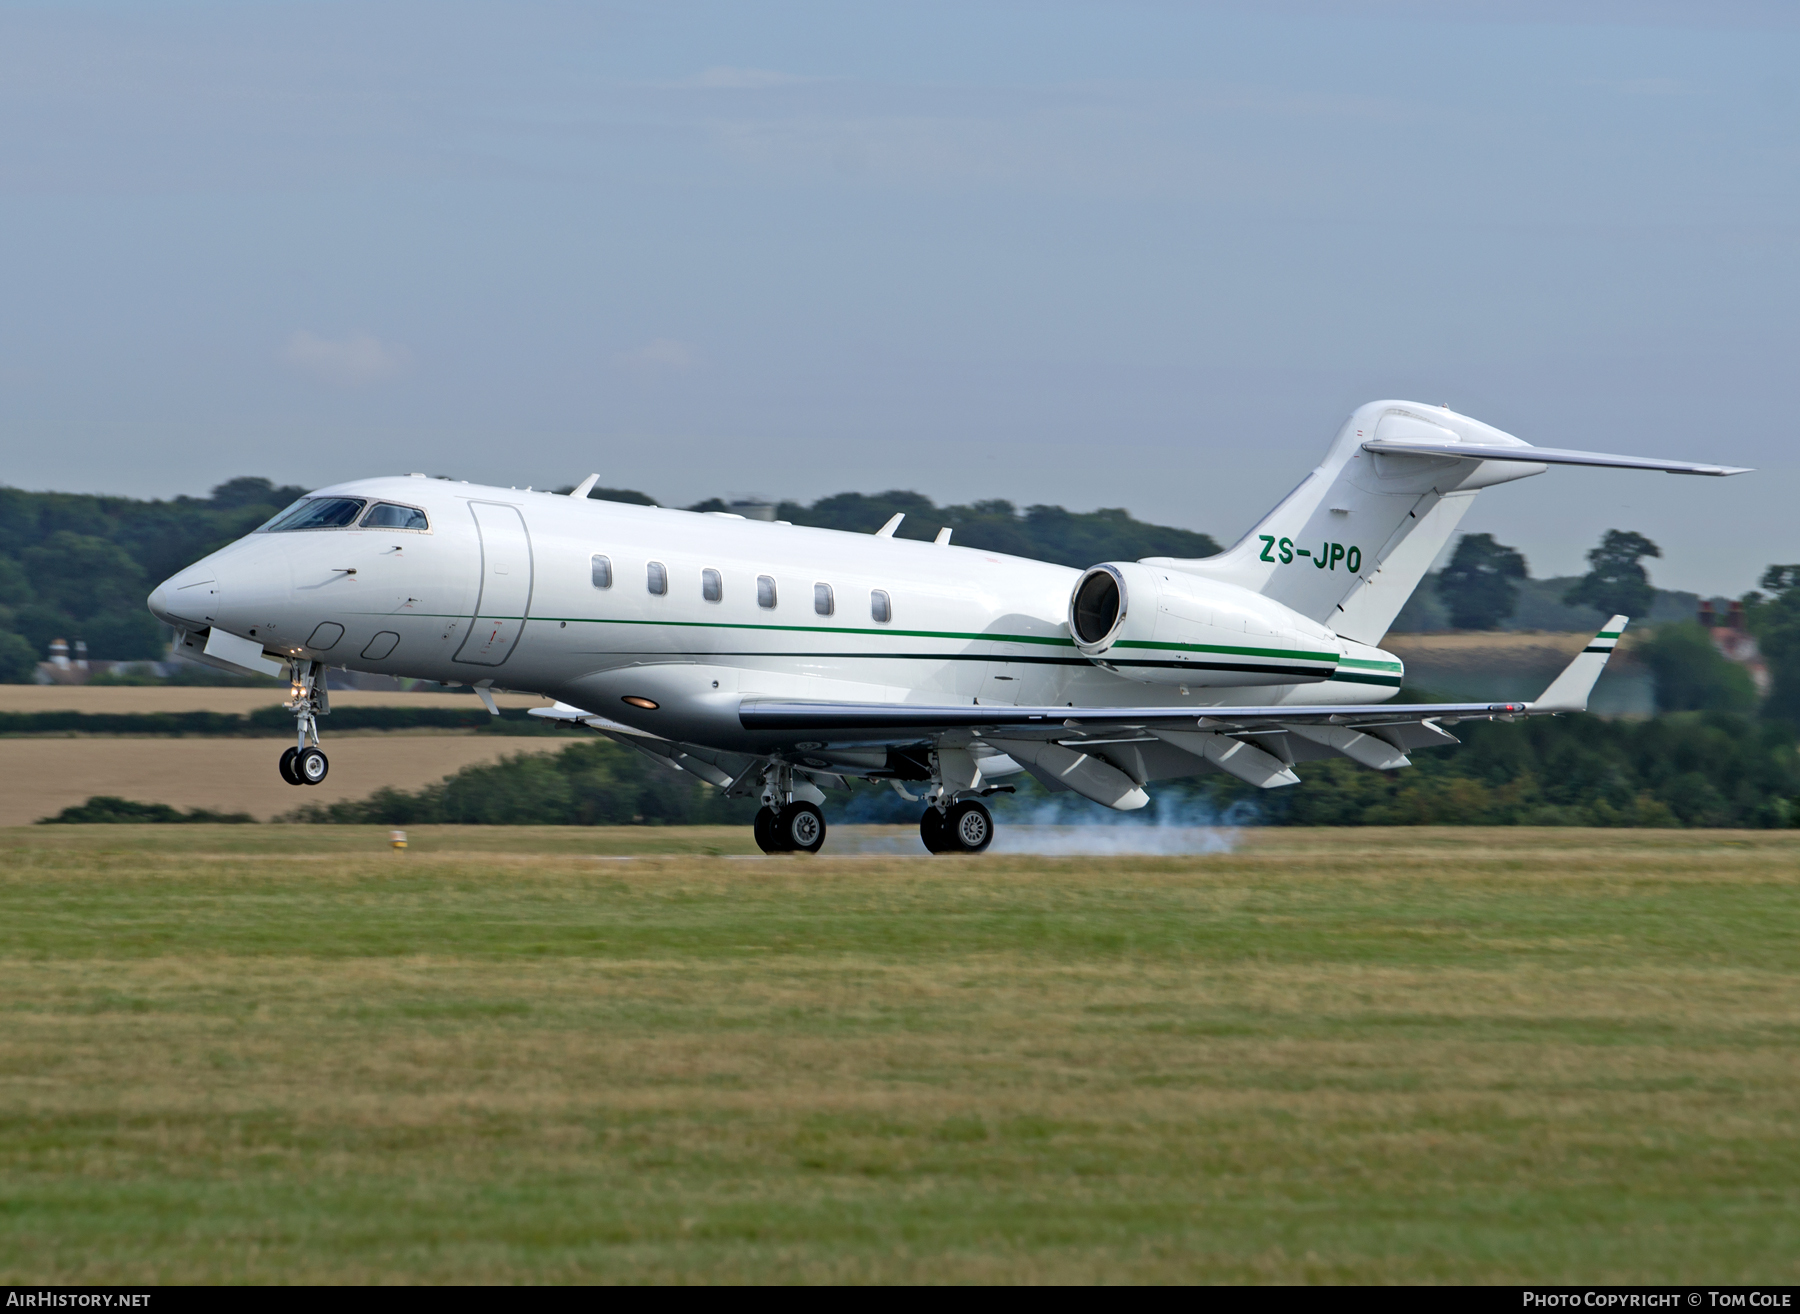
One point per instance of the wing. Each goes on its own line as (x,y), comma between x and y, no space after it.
(1109,753)
(909,721)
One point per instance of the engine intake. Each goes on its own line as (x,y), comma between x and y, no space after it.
(1163,626)
(1098,607)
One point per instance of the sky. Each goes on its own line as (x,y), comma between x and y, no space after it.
(1123,254)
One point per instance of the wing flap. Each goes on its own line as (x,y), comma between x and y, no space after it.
(1237,757)
(1088,776)
(1355,745)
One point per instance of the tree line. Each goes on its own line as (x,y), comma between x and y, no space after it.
(1683,769)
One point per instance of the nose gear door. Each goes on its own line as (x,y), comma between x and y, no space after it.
(505,597)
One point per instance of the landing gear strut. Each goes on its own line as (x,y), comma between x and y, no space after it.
(785,824)
(306,764)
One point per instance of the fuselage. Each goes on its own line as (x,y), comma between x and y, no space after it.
(666,620)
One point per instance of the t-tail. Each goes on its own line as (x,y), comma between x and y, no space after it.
(1351,543)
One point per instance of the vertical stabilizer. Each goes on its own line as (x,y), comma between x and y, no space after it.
(1351,543)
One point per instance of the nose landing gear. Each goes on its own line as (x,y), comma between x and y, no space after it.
(308,700)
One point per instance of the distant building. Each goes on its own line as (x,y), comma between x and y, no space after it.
(68,666)
(1732,637)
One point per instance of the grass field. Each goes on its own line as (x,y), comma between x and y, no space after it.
(264,1054)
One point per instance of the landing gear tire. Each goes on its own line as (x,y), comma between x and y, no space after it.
(967,828)
(310,765)
(801,827)
(765,828)
(931,831)
(286,767)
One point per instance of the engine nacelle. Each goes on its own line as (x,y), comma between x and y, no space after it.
(1164,626)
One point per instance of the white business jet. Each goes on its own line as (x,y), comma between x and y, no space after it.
(775,661)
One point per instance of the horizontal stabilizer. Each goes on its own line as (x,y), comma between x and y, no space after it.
(1546,456)
(1569,691)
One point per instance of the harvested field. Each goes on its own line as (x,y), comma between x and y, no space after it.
(1519,665)
(267,1054)
(1489,647)
(208,698)
(43,776)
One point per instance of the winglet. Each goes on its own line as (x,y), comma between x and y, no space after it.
(1569,691)
(586,486)
(893,523)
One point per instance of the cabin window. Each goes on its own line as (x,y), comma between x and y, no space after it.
(712,588)
(321,513)
(765,592)
(602,571)
(390,515)
(822,600)
(656,575)
(881,608)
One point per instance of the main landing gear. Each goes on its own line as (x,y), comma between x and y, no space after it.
(789,822)
(797,828)
(306,764)
(785,824)
(966,827)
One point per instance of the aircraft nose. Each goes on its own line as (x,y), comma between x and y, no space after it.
(186,600)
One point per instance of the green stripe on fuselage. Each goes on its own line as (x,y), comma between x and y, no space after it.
(1223,650)
(1352,677)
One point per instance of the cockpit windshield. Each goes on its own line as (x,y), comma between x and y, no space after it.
(281,515)
(318,513)
(390,515)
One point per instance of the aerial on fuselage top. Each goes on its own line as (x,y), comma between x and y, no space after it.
(777,662)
